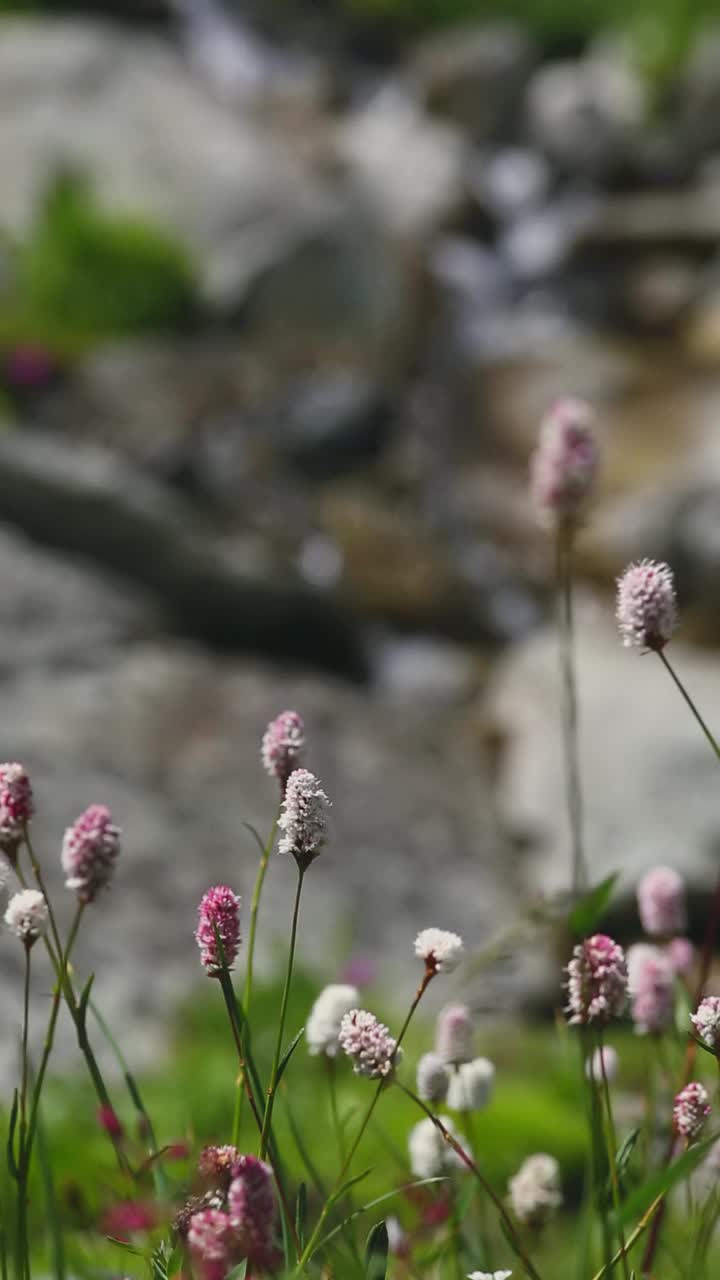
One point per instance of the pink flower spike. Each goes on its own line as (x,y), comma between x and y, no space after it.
(218,922)
(651,983)
(597,981)
(16,807)
(212,1240)
(564,466)
(303,821)
(681,954)
(706,1021)
(691,1109)
(661,902)
(90,849)
(251,1205)
(283,746)
(646,609)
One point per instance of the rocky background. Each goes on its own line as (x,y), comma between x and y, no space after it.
(295,474)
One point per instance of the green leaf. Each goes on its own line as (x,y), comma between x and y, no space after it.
(12,1163)
(288,1055)
(253,832)
(351,1182)
(586,913)
(83,1002)
(301,1213)
(625,1152)
(376,1252)
(664,1180)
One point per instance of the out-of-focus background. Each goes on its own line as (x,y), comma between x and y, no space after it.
(285,288)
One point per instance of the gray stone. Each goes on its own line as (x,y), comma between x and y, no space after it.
(650,779)
(406,166)
(332,419)
(474,74)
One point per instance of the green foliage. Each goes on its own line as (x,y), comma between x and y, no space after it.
(84,275)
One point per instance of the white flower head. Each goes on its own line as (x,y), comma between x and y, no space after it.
(442,951)
(489,1275)
(27,915)
(430,1154)
(432,1078)
(535,1191)
(471,1085)
(323,1024)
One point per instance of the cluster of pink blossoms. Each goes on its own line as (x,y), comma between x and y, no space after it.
(368,1043)
(218,929)
(90,849)
(283,746)
(597,981)
(646,605)
(241,1221)
(691,1109)
(16,806)
(651,982)
(565,463)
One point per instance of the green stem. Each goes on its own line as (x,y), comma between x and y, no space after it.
(23,1258)
(272,1086)
(632,1238)
(612,1157)
(508,1225)
(563,582)
(231,1006)
(312,1242)
(250,962)
(683,691)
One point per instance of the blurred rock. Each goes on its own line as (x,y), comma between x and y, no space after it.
(92,504)
(408,167)
(509,182)
(332,419)
(649,777)
(587,114)
(431,673)
(474,74)
(659,290)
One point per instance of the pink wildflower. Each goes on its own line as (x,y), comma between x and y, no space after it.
(108,1120)
(651,986)
(646,609)
(90,850)
(369,1044)
(597,981)
(283,746)
(212,1240)
(564,466)
(706,1021)
(691,1109)
(16,807)
(661,902)
(303,820)
(681,954)
(251,1205)
(218,923)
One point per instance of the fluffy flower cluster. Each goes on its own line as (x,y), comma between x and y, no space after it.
(535,1191)
(564,465)
(489,1275)
(323,1025)
(430,1154)
(433,1078)
(219,1238)
(706,1021)
(661,902)
(440,950)
(283,745)
(368,1043)
(691,1109)
(651,982)
(597,981)
(681,954)
(218,919)
(27,916)
(303,820)
(16,805)
(216,1164)
(646,607)
(455,1034)
(89,852)
(471,1085)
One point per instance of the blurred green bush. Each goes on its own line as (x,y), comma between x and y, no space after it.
(83,275)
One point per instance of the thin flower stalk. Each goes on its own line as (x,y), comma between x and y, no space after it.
(570,714)
(309,1249)
(468,1161)
(272,1086)
(612,1155)
(250,960)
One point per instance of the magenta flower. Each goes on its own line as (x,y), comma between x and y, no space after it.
(691,1109)
(90,850)
(127,1219)
(661,902)
(646,609)
(108,1120)
(212,1241)
(597,981)
(16,806)
(283,746)
(564,466)
(218,930)
(251,1206)
(368,1043)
